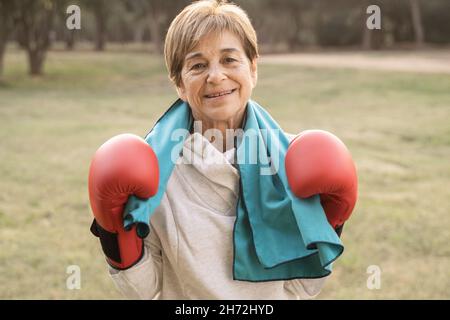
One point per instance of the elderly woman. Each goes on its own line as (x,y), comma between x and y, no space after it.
(211,235)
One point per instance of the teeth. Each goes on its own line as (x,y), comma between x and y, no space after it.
(220,94)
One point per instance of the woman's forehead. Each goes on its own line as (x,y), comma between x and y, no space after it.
(216,43)
(199,54)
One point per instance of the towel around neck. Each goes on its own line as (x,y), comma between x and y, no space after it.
(277,236)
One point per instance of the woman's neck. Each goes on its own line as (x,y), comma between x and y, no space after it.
(220,133)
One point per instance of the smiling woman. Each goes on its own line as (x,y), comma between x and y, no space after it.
(211,53)
(220,228)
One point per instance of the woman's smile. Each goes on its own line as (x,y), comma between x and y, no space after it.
(219,95)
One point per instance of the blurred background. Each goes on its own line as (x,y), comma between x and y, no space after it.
(385,93)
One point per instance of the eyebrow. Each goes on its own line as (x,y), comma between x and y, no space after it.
(193,55)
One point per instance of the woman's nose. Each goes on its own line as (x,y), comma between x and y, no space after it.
(215,74)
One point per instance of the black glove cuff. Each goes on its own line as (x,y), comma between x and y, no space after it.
(108,240)
(110,245)
(339,229)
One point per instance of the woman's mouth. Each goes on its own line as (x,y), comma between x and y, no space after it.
(216,95)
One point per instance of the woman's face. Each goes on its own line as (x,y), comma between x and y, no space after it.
(217,78)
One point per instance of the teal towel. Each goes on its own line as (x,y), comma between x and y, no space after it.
(277,236)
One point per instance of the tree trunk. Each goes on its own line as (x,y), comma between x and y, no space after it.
(100,23)
(154,32)
(33,31)
(6,11)
(101,36)
(417,22)
(138,32)
(138,35)
(157,17)
(366,38)
(293,41)
(2,51)
(317,21)
(70,40)
(36,60)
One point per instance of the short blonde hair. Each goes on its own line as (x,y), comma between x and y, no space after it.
(199,19)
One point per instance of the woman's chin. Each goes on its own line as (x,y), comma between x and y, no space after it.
(220,108)
(217,103)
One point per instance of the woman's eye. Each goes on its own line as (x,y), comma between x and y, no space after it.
(198,66)
(230,60)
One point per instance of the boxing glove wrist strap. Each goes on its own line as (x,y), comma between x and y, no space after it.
(110,245)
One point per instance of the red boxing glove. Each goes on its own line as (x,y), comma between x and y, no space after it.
(124,165)
(317,162)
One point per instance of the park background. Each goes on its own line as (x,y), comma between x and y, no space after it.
(385,93)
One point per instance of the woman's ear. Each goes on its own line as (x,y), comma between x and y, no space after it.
(181,91)
(254,71)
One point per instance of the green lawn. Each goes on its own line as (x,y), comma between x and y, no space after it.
(396,125)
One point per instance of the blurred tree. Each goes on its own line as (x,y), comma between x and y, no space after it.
(7,10)
(293,11)
(101,11)
(101,18)
(70,39)
(436,21)
(366,33)
(61,30)
(120,22)
(34,24)
(371,38)
(154,15)
(157,16)
(339,22)
(417,22)
(141,10)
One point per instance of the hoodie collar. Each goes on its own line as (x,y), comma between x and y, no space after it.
(217,168)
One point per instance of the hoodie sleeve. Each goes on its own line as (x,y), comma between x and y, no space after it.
(305,288)
(142,281)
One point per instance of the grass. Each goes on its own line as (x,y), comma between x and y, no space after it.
(395,124)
